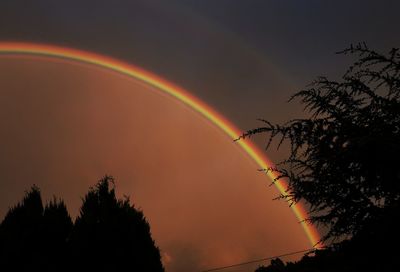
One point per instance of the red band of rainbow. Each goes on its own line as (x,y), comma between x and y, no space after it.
(172,90)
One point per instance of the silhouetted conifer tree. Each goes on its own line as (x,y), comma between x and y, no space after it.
(111,235)
(20,233)
(56,228)
(33,238)
(108,235)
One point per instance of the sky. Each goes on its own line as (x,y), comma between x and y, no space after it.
(223,51)
(243,58)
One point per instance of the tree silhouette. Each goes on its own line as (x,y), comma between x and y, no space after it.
(20,233)
(110,234)
(342,257)
(56,228)
(33,237)
(277,265)
(343,158)
(343,161)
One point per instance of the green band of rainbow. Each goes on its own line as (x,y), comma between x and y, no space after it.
(172,90)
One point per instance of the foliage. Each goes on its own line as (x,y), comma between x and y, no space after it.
(111,229)
(347,256)
(32,236)
(109,234)
(343,158)
(277,265)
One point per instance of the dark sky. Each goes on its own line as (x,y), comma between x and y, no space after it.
(243,58)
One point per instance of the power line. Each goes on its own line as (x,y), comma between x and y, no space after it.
(259,260)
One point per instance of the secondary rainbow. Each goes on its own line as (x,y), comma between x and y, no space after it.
(7,48)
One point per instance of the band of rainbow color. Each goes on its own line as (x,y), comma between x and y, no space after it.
(180,94)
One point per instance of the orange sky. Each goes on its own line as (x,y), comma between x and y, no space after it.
(65,125)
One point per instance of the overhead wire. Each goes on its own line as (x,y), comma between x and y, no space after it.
(260,260)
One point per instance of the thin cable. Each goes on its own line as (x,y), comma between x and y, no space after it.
(259,260)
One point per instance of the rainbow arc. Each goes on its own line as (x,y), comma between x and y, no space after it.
(9,48)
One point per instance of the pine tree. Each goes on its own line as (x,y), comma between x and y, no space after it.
(111,234)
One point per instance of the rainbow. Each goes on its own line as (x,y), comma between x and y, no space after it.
(7,48)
